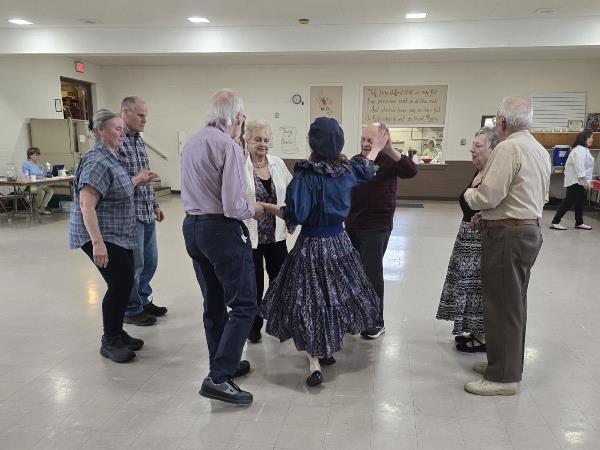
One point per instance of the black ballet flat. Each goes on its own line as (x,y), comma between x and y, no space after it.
(327,361)
(315,378)
(471,348)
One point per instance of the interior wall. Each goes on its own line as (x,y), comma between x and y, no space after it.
(177,96)
(28,87)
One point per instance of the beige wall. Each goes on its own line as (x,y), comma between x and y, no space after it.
(178,95)
(28,87)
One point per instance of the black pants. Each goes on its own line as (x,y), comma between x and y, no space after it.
(372,244)
(119,280)
(274,255)
(575,196)
(222,258)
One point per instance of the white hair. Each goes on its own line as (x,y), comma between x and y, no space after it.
(254,126)
(517,111)
(129,102)
(224,108)
(101,118)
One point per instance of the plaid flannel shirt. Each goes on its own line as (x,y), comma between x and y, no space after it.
(103,171)
(134,157)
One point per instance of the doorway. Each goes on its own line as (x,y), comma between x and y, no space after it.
(76,98)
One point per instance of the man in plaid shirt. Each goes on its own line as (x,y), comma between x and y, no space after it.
(141,310)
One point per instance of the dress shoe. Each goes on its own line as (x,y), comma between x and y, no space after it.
(142,319)
(133,344)
(242,369)
(226,391)
(485,387)
(114,349)
(255,336)
(315,378)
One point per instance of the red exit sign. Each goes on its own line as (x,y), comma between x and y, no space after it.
(79,67)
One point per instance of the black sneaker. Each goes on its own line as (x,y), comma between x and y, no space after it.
(242,369)
(131,343)
(255,337)
(226,391)
(142,319)
(114,349)
(156,311)
(373,333)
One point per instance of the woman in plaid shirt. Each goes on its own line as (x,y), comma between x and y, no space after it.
(102,224)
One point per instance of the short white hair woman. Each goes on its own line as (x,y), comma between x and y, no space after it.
(461,299)
(267,179)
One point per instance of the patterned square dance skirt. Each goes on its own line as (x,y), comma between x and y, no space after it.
(461,295)
(321,293)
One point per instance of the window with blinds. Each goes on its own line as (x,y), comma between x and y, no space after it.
(551,111)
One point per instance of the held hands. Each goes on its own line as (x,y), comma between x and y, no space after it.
(160,216)
(100,254)
(259,210)
(144,177)
(476,222)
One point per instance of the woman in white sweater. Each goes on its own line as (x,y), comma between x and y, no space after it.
(267,178)
(578,176)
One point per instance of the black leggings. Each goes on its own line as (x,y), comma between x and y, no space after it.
(274,255)
(575,195)
(119,279)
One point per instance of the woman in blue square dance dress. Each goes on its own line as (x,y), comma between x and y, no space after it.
(322,291)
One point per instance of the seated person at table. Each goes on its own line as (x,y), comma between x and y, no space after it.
(42,193)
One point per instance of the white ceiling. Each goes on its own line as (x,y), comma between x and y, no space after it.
(173,13)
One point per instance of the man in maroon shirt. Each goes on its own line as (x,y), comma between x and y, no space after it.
(371,218)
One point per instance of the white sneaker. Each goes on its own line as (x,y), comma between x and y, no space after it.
(480,367)
(485,387)
(583,226)
(557,226)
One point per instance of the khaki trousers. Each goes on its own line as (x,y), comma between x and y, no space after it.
(507,256)
(43,195)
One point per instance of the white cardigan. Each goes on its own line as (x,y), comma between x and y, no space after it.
(580,163)
(281,178)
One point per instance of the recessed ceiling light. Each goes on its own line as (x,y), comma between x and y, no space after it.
(416,15)
(20,22)
(198,19)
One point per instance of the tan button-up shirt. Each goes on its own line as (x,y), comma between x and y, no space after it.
(515,182)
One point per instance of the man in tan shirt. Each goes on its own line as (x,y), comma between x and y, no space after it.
(511,198)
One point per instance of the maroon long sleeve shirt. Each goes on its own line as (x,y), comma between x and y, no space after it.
(374,203)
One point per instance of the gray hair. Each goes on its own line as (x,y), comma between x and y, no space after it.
(224,108)
(101,117)
(490,134)
(517,111)
(129,102)
(432,142)
(254,126)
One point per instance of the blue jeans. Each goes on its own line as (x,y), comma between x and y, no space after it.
(145,261)
(222,258)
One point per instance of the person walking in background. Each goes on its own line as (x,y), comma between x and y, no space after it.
(461,295)
(267,177)
(213,190)
(141,309)
(371,219)
(578,176)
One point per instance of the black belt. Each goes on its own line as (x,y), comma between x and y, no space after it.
(199,217)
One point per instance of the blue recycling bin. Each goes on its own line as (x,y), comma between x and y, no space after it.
(560,155)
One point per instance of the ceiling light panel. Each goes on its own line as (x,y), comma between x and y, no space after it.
(198,19)
(416,15)
(20,22)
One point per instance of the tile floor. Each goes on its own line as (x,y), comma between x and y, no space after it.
(403,391)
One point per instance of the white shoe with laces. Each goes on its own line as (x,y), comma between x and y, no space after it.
(558,226)
(583,226)
(485,387)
